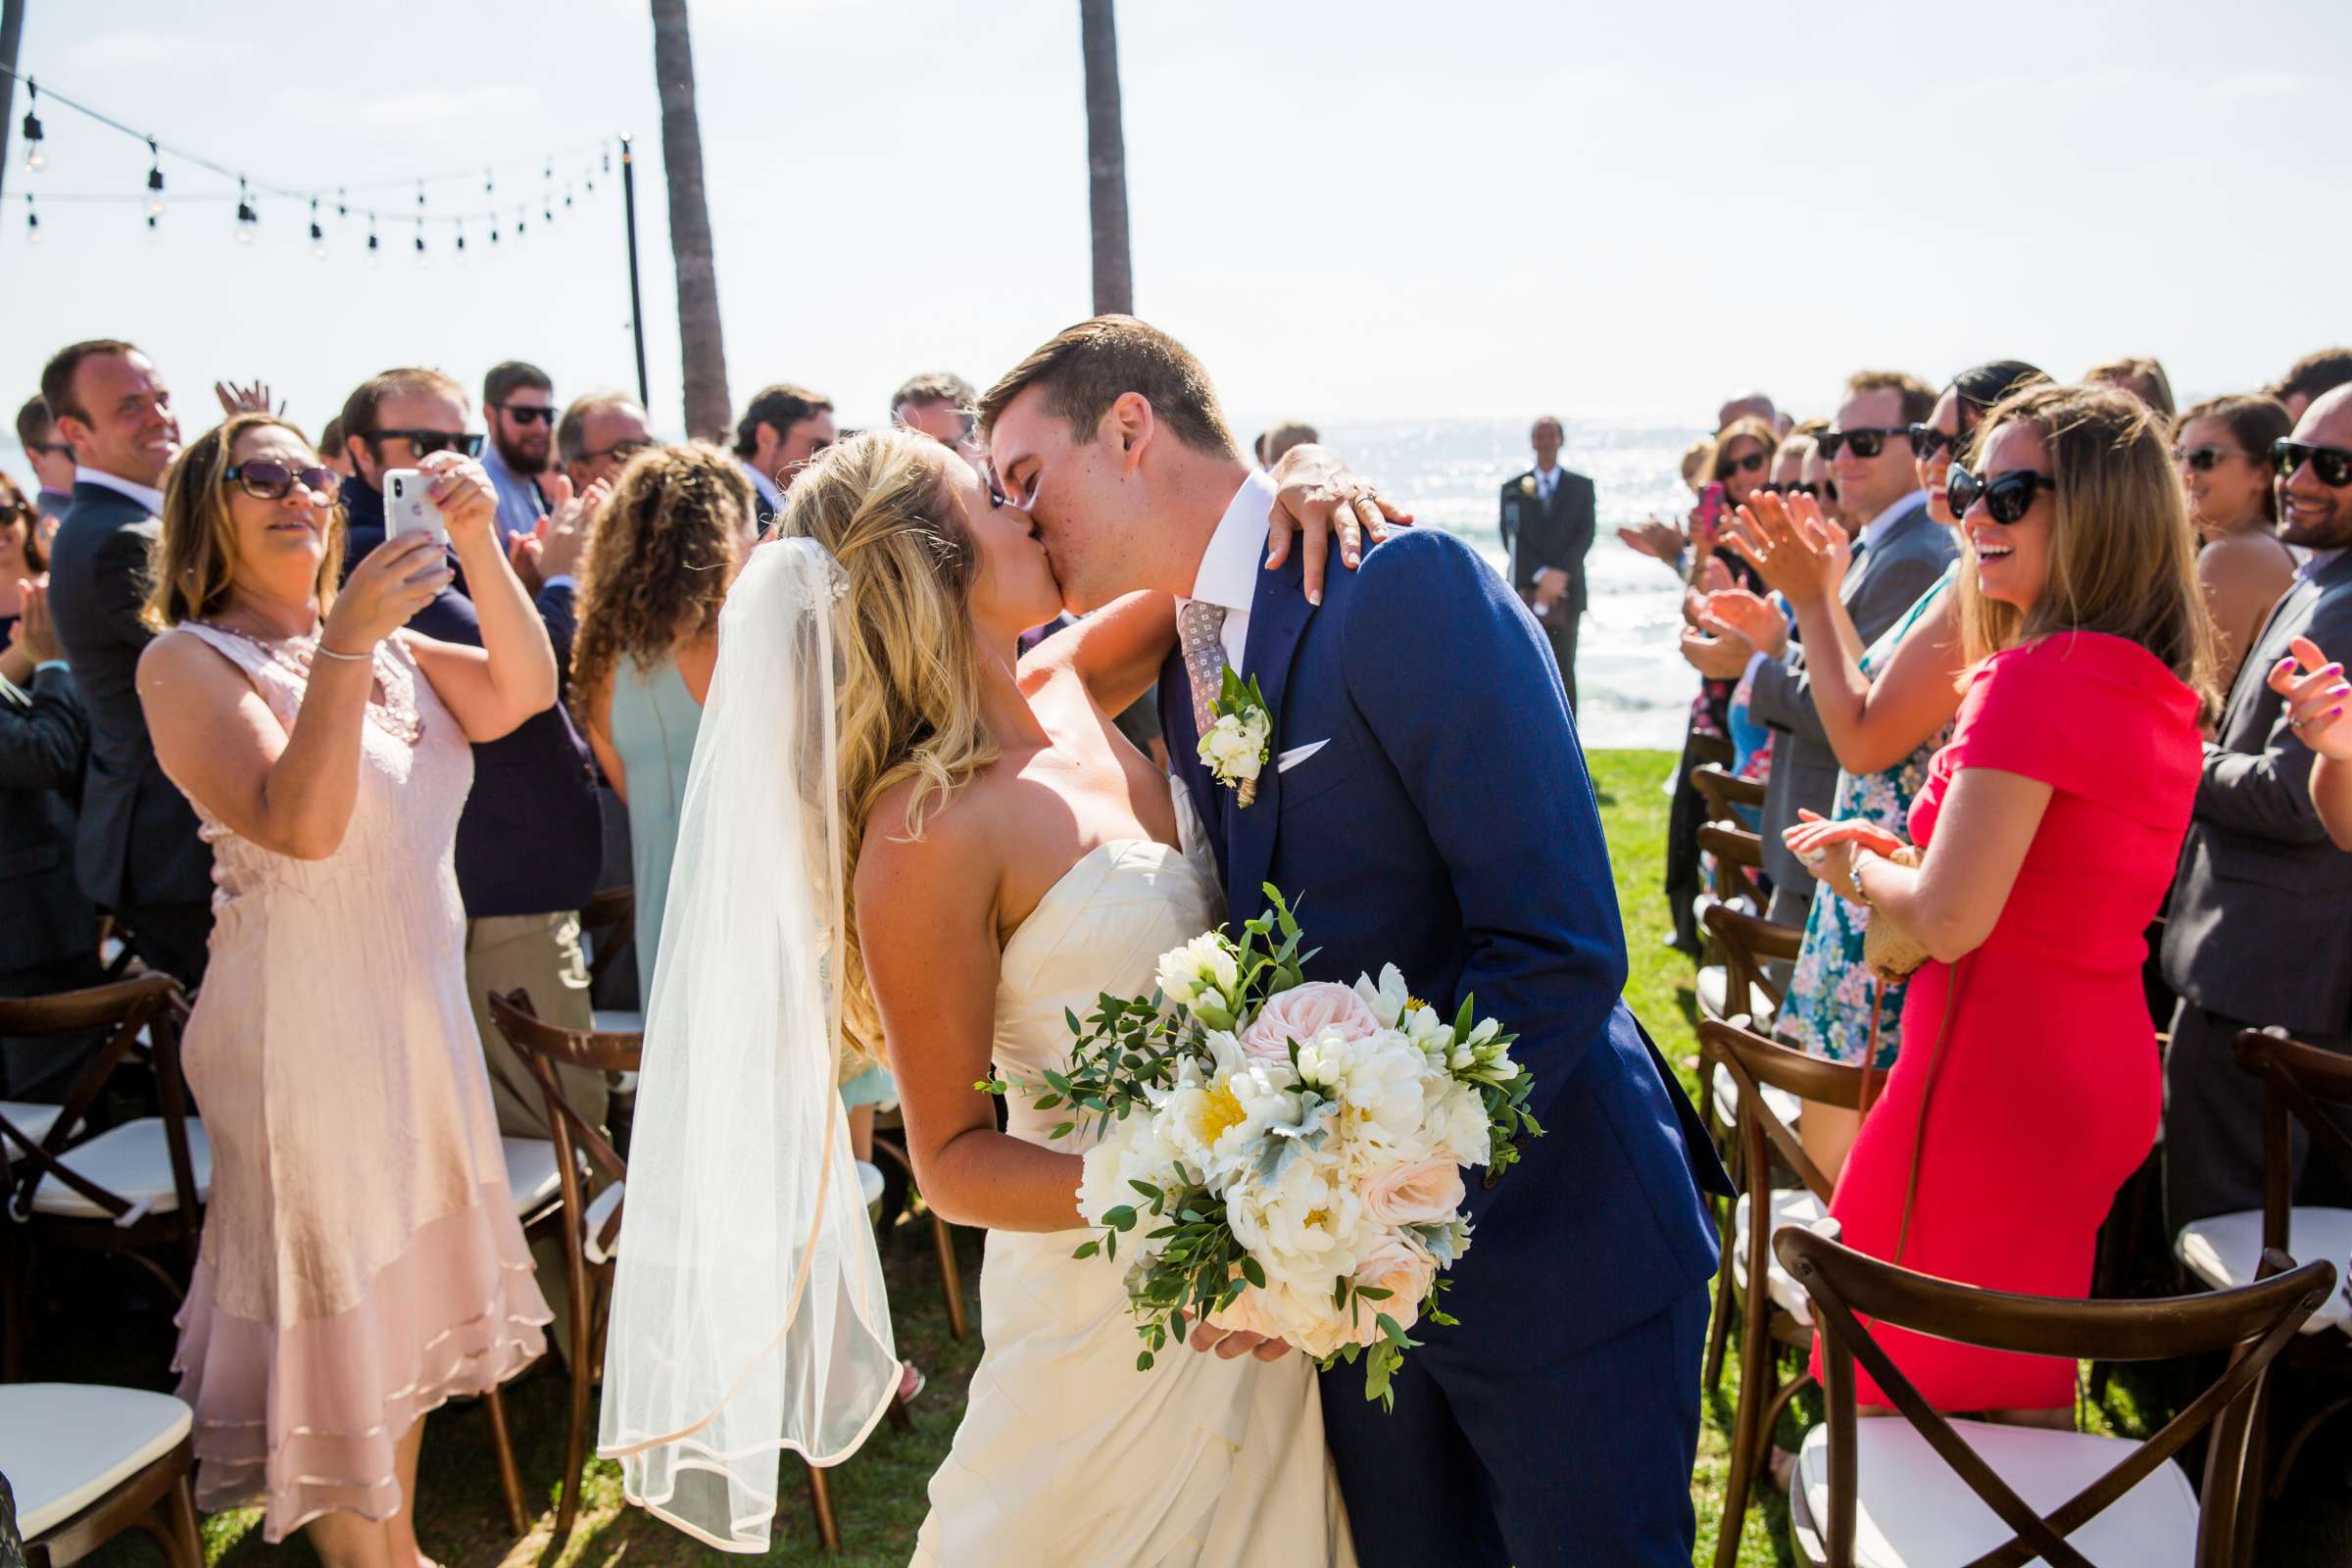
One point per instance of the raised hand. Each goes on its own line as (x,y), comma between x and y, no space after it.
(461,487)
(1718,658)
(2319,701)
(254,399)
(1799,553)
(1657,540)
(34,635)
(564,533)
(390,584)
(1738,609)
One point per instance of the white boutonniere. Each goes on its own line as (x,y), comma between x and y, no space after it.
(1236,747)
(1527,485)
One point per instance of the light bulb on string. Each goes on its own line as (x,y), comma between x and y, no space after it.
(461,242)
(342,203)
(249,221)
(33,221)
(318,234)
(422,259)
(606,149)
(155,181)
(567,198)
(37,158)
(489,183)
(375,252)
(523,225)
(154,234)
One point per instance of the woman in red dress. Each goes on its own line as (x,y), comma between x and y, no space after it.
(2027,1087)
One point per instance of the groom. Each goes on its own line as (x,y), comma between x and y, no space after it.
(1426,803)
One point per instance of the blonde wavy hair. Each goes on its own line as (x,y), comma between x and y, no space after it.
(910,708)
(2123,556)
(665,551)
(194,558)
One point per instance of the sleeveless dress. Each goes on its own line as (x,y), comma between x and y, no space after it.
(2045,1084)
(1067,1453)
(1831,993)
(654,721)
(362,1262)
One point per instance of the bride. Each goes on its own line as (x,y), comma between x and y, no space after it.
(902,837)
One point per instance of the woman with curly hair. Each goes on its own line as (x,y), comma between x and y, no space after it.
(666,549)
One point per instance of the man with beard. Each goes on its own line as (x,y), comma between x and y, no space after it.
(520,402)
(2261,910)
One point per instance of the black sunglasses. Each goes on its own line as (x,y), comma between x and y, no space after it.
(2006,499)
(1868,441)
(1775,487)
(427,442)
(623,450)
(2333,465)
(1927,441)
(270,481)
(49,446)
(1750,463)
(526,414)
(2204,460)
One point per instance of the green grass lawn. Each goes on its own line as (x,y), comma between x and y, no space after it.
(879,1496)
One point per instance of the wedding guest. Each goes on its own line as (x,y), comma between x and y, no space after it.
(783,427)
(2223,446)
(1898,553)
(331,450)
(1748,405)
(1752,741)
(24,571)
(597,437)
(2261,889)
(1824,485)
(2136,373)
(1886,708)
(2319,708)
(2322,370)
(942,405)
(360,1262)
(1285,435)
(2026,1090)
(48,929)
(530,838)
(1547,527)
(521,403)
(138,854)
(52,459)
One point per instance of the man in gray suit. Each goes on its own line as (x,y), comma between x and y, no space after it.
(137,853)
(1899,552)
(2262,910)
(1547,527)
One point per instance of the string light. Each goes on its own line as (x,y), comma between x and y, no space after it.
(422,259)
(318,234)
(249,221)
(35,159)
(155,182)
(342,206)
(375,253)
(461,243)
(33,221)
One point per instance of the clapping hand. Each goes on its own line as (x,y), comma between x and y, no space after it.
(1736,609)
(254,399)
(2317,699)
(1718,658)
(1828,849)
(34,635)
(1657,540)
(556,547)
(1797,552)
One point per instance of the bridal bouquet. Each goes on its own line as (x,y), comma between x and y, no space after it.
(1283,1156)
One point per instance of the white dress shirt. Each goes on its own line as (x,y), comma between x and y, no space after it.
(1547,482)
(1229,567)
(770,498)
(146,496)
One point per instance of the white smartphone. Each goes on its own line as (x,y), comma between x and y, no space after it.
(409,505)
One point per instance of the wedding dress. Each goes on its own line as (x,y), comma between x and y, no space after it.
(1067,1453)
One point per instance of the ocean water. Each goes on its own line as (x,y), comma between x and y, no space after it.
(1636,689)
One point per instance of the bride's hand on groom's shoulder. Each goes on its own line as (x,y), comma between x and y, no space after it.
(1317,499)
(1231,1344)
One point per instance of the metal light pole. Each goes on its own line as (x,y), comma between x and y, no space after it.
(628,207)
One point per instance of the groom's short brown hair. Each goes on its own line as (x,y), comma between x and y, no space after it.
(1085,369)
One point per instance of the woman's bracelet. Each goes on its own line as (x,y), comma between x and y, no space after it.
(348,659)
(1862,858)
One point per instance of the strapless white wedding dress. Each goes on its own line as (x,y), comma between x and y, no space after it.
(1068,1454)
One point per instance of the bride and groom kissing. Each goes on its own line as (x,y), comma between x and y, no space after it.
(903,835)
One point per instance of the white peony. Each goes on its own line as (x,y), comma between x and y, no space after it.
(1377,1082)
(1388,999)
(1306,1227)
(1201,965)
(1454,1122)
(1136,1150)
(1215,1115)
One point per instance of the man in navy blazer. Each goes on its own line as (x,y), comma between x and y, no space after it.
(1427,804)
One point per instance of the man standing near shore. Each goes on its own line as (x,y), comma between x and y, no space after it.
(1547,527)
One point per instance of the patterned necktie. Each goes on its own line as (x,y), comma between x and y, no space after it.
(1198,624)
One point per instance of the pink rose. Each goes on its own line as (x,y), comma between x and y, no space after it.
(1421,1191)
(1401,1266)
(1303,1013)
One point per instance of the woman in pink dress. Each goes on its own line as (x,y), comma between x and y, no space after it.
(362,1261)
(2027,1085)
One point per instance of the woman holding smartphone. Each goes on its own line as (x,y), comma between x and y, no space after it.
(362,1261)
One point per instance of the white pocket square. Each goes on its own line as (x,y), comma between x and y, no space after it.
(1296,755)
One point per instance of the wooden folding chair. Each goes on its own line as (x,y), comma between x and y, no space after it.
(135,1191)
(1986,1493)
(1727,794)
(1740,989)
(1769,1080)
(943,1240)
(1715,749)
(87,1462)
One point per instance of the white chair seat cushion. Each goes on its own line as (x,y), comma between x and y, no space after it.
(614,1021)
(1780,1102)
(1790,1207)
(531,1174)
(2226,1250)
(599,1209)
(1714,1000)
(64,1445)
(132,1161)
(1912,1511)
(32,1120)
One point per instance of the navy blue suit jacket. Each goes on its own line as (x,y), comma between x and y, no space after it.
(1448,826)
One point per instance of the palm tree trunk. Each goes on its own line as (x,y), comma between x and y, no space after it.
(699,342)
(1105,161)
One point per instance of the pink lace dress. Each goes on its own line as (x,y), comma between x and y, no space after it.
(362,1261)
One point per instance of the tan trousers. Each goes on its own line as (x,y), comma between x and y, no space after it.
(539,954)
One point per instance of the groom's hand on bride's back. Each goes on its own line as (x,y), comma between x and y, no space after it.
(1233,1345)
(1317,499)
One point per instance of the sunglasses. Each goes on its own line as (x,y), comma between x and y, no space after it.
(623,450)
(1868,441)
(49,446)
(1775,487)
(271,481)
(1927,441)
(2333,465)
(998,496)
(425,443)
(522,414)
(2006,499)
(2204,460)
(1752,464)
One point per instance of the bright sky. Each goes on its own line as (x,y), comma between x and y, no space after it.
(1383,210)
